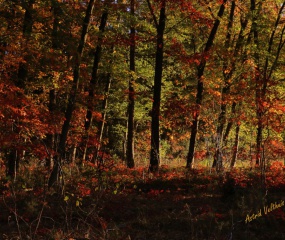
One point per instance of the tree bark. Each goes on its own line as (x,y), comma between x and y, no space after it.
(94,79)
(131,104)
(200,87)
(262,81)
(258,84)
(50,138)
(13,164)
(218,162)
(104,114)
(13,159)
(235,147)
(229,125)
(228,71)
(57,171)
(27,31)
(155,114)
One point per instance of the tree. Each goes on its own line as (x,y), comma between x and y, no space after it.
(131,104)
(263,74)
(50,138)
(15,154)
(200,86)
(94,81)
(155,112)
(230,61)
(57,168)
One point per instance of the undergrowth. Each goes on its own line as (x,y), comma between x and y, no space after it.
(120,203)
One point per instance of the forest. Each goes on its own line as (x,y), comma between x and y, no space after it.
(142,119)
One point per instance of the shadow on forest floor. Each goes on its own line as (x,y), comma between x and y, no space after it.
(198,206)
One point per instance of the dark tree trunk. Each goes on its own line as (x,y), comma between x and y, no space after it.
(262,81)
(229,125)
(27,31)
(56,12)
(238,47)
(155,114)
(235,147)
(94,79)
(228,70)
(200,88)
(104,114)
(218,163)
(50,138)
(13,164)
(258,85)
(28,18)
(13,156)
(56,171)
(131,105)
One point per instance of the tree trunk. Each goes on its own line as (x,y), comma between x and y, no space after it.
(229,125)
(104,114)
(200,88)
(27,31)
(155,141)
(228,70)
(131,105)
(235,147)
(56,171)
(262,81)
(13,164)
(94,79)
(258,84)
(13,159)
(56,12)
(50,138)
(218,162)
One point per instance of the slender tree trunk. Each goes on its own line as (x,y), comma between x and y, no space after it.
(131,105)
(155,141)
(50,139)
(73,155)
(57,171)
(238,47)
(218,163)
(13,164)
(259,132)
(262,81)
(13,159)
(104,114)
(27,31)
(229,125)
(228,71)
(200,88)
(258,85)
(56,12)
(94,79)
(235,147)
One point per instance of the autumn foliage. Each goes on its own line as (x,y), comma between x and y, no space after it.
(105,102)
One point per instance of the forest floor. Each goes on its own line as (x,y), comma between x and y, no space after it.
(128,205)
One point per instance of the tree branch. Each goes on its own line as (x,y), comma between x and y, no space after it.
(152,13)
